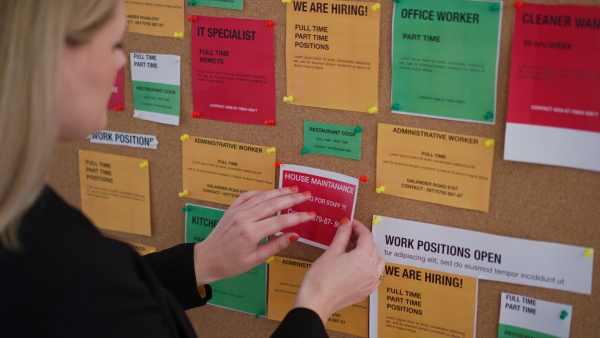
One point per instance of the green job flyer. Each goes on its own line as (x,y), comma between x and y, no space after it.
(332,139)
(228,4)
(246,292)
(445,58)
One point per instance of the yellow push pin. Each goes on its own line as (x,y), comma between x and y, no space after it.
(288,99)
(380,189)
(375,7)
(144,164)
(270,150)
(588,252)
(489,143)
(286,1)
(151,251)
(376,220)
(184,193)
(270,259)
(184,137)
(178,34)
(373,110)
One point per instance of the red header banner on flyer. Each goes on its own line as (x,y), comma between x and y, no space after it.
(233,70)
(333,197)
(117,98)
(554,69)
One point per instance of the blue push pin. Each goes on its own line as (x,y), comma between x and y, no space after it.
(357,129)
(495,7)
(304,151)
(489,115)
(396,106)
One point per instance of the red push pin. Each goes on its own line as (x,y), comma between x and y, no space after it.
(278,164)
(119,107)
(193,18)
(519,4)
(270,122)
(270,23)
(196,114)
(363,178)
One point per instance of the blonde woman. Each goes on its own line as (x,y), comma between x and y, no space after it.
(59,277)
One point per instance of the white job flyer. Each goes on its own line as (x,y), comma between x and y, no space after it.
(485,256)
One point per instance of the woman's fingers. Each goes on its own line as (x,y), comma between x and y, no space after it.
(274,246)
(275,204)
(342,237)
(275,224)
(243,198)
(267,196)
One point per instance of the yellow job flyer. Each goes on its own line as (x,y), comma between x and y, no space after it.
(415,302)
(332,54)
(285,277)
(435,167)
(115,191)
(220,171)
(155,17)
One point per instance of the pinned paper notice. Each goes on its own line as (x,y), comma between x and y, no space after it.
(124,139)
(522,316)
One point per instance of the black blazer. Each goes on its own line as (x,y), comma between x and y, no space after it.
(68,280)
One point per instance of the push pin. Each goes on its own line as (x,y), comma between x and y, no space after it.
(259,314)
(288,99)
(373,110)
(154,143)
(396,106)
(519,4)
(495,7)
(192,18)
(489,143)
(176,59)
(358,129)
(304,151)
(376,219)
(489,115)
(278,164)
(588,252)
(144,164)
(187,208)
(196,114)
(184,193)
(380,189)
(191,3)
(270,23)
(363,178)
(375,7)
(270,150)
(270,259)
(119,107)
(286,1)
(136,115)
(396,1)
(270,122)
(564,314)
(178,35)
(184,137)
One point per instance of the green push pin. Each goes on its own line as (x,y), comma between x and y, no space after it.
(495,7)
(358,129)
(396,106)
(489,115)
(564,314)
(304,151)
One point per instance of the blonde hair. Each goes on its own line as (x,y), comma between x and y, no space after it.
(33,35)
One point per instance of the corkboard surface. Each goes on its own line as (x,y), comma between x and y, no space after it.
(527,200)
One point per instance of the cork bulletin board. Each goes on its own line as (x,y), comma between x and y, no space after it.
(528,201)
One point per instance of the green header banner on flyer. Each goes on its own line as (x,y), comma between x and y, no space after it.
(246,292)
(229,4)
(508,331)
(445,57)
(156,97)
(332,139)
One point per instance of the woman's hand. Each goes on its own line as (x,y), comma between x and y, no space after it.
(340,278)
(233,246)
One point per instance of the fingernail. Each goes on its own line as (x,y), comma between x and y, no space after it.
(312,213)
(344,221)
(306,193)
(294,238)
(294,188)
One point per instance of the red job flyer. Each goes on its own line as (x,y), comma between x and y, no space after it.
(233,69)
(554,105)
(117,99)
(333,197)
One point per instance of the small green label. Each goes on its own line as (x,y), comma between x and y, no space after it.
(246,292)
(156,97)
(508,331)
(229,4)
(332,139)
